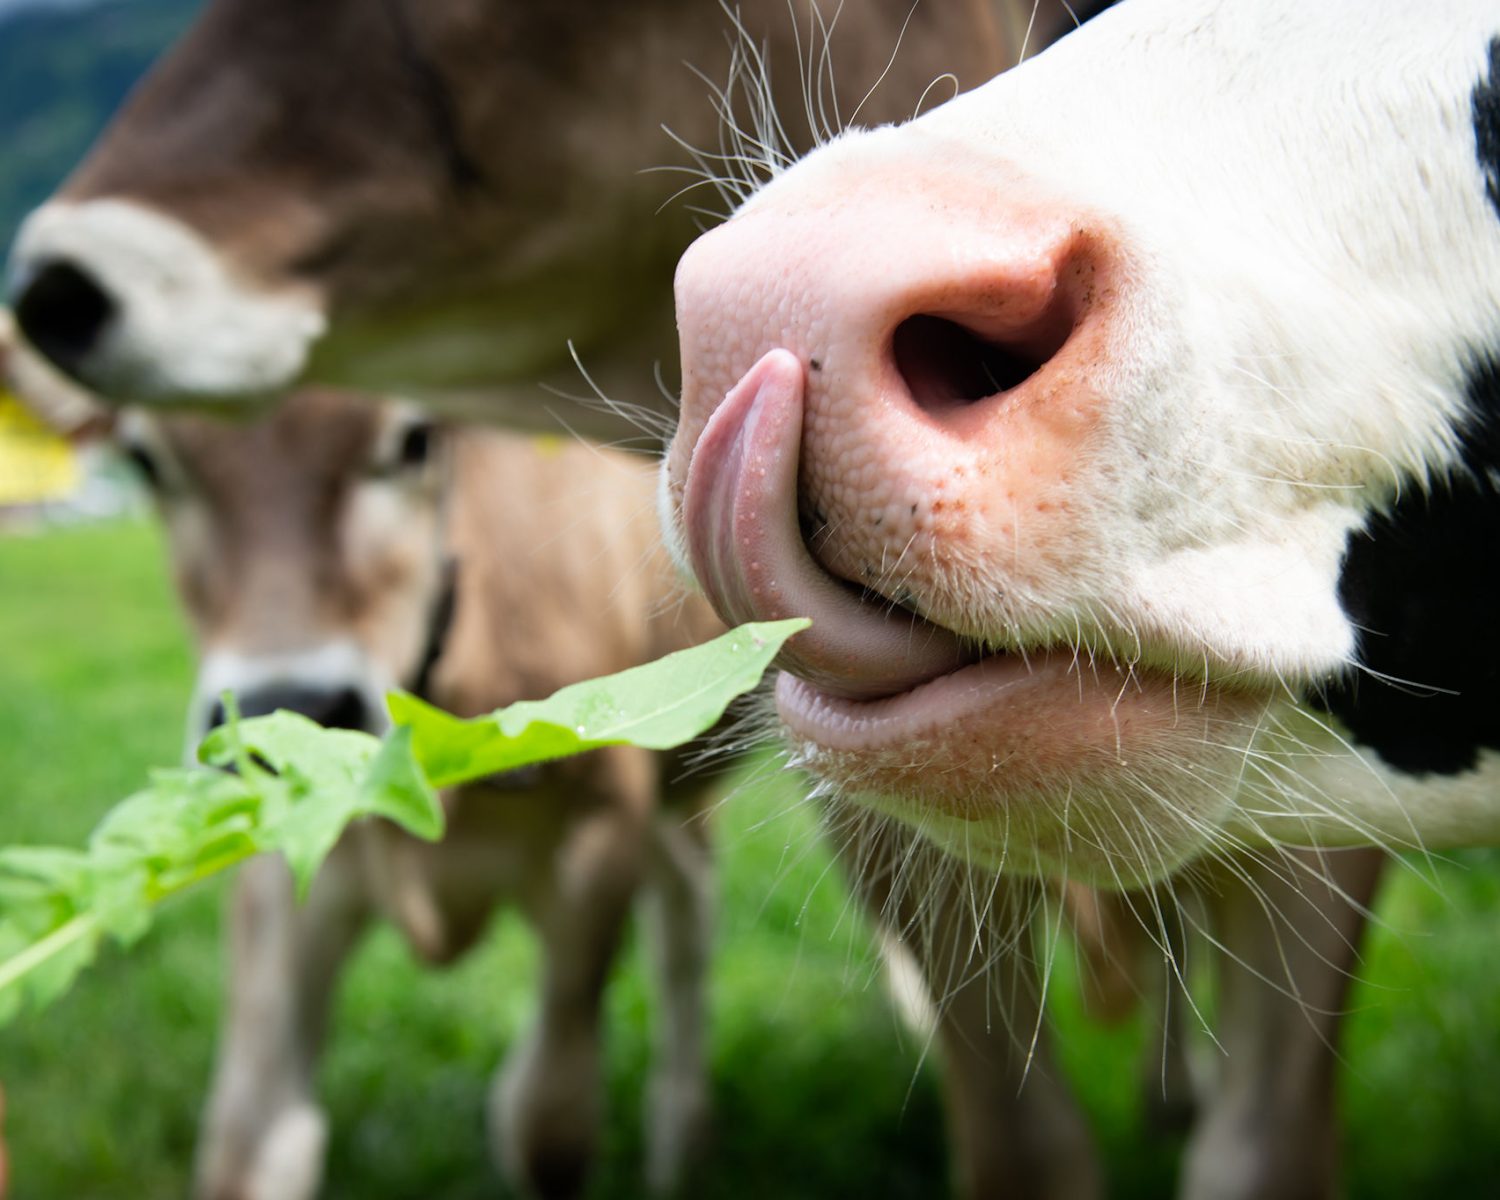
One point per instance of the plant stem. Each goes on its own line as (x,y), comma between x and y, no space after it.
(13,970)
(168,886)
(38,953)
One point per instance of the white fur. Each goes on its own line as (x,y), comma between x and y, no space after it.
(1310,265)
(1265,346)
(184,325)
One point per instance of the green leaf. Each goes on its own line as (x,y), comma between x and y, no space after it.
(659,706)
(40,875)
(171,821)
(295,787)
(395,787)
(121,902)
(39,971)
(321,779)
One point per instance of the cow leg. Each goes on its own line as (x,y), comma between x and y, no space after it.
(264,1134)
(1269,1129)
(677,905)
(1130,946)
(547,1104)
(1014,1128)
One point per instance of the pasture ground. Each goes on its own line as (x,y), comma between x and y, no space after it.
(819,1093)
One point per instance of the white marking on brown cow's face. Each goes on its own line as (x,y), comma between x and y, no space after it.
(139,307)
(307,549)
(1099,367)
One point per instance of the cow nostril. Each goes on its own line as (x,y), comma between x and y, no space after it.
(946,365)
(340,708)
(63,312)
(345,710)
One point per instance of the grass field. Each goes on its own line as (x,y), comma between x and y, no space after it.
(818,1092)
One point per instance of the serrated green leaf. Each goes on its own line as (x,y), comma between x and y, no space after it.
(172,820)
(33,874)
(36,970)
(121,902)
(332,758)
(296,787)
(659,706)
(324,778)
(395,787)
(77,945)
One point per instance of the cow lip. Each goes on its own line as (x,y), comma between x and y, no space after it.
(888,703)
(843,723)
(746,546)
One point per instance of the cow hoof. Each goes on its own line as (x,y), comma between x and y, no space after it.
(543,1118)
(283,1160)
(289,1164)
(678,1138)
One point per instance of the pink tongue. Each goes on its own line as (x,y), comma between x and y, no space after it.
(740,508)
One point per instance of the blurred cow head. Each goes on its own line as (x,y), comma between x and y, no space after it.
(307,548)
(436,194)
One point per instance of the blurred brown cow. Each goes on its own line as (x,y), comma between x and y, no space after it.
(338,548)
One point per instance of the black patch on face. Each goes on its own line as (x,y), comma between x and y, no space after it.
(1486,106)
(1088,9)
(1422,585)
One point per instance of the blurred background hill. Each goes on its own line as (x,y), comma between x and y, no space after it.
(65,65)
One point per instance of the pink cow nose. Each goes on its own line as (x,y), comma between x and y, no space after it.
(747,549)
(881,382)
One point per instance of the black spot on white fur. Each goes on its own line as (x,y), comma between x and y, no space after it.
(1422,585)
(1087,10)
(1486,105)
(1421,582)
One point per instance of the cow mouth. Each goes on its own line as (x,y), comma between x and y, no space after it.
(879,688)
(746,545)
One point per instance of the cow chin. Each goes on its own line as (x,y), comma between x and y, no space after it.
(1048,765)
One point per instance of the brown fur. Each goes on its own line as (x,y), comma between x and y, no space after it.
(455,176)
(559,578)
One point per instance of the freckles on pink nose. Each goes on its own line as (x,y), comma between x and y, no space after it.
(746,546)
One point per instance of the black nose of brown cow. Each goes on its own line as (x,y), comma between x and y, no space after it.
(63,311)
(333,708)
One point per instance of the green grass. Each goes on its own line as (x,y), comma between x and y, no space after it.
(818,1093)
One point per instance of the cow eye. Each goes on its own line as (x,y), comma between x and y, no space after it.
(415,447)
(406,449)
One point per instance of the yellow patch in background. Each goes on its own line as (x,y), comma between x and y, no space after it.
(35,463)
